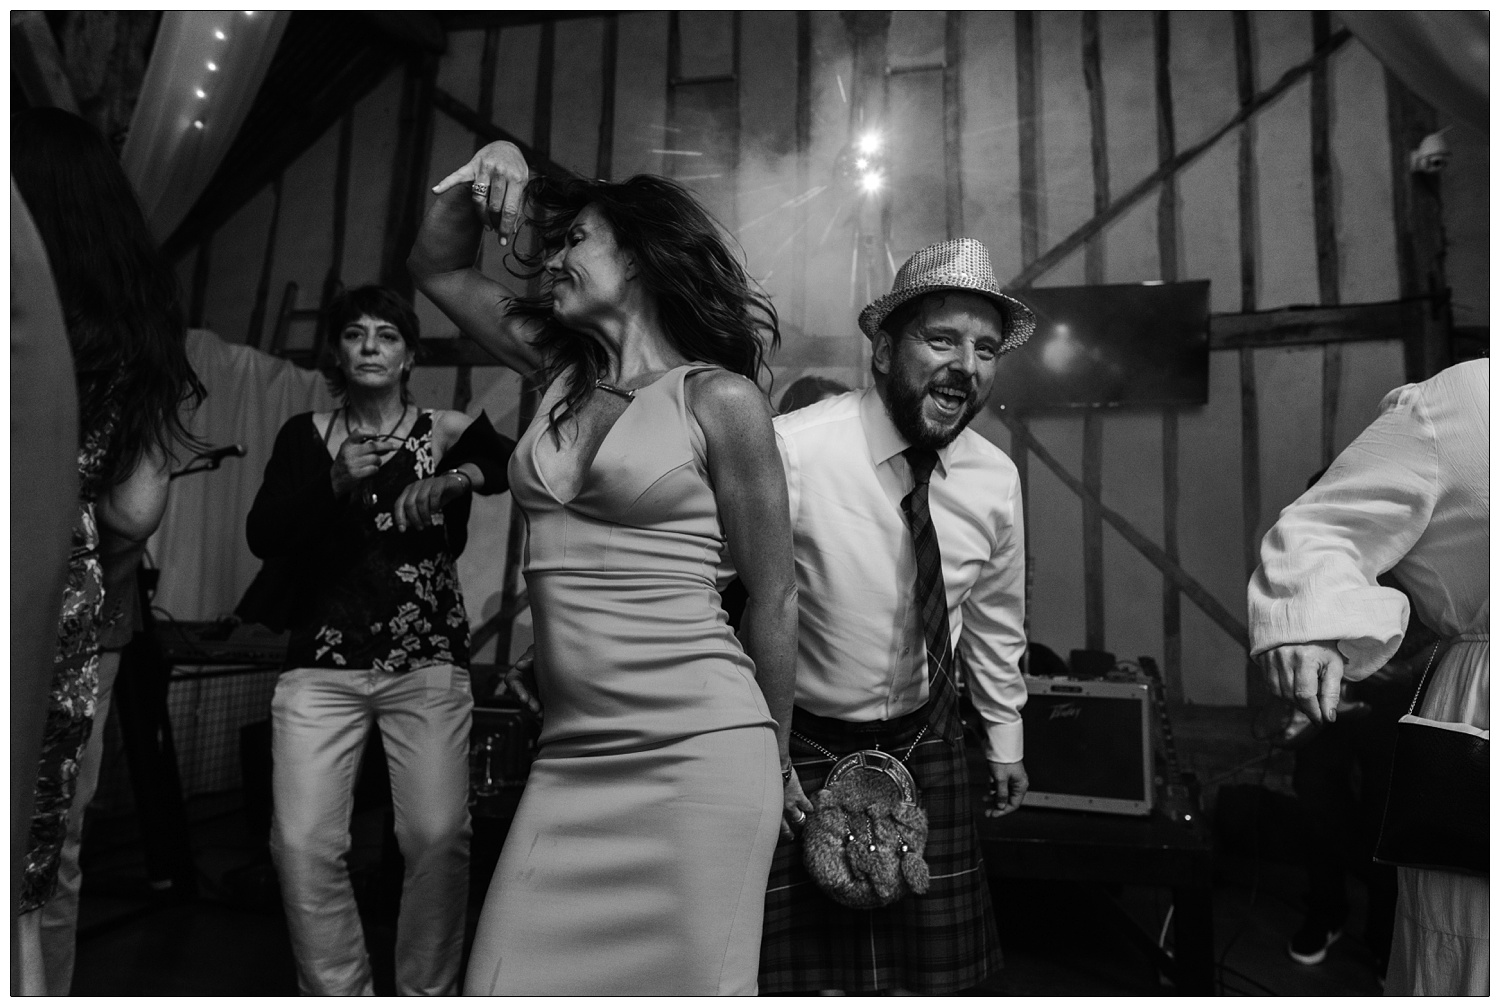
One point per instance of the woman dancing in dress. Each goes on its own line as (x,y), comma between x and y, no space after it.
(638,858)
(371,502)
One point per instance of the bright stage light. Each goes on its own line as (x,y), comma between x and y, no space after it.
(869,143)
(871,182)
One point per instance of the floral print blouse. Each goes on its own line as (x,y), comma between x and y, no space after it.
(370,596)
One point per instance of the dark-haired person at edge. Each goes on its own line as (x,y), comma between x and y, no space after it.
(134,386)
(44,459)
(907,531)
(372,502)
(638,855)
(1410,497)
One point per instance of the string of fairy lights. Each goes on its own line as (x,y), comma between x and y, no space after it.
(211,65)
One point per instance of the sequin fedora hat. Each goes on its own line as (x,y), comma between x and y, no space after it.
(960,264)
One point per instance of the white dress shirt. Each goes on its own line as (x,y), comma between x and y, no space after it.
(860,649)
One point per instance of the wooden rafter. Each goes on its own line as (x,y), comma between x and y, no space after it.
(481,126)
(37,64)
(1117,208)
(326,62)
(1154,554)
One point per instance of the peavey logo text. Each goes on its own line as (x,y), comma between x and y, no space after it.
(1065,711)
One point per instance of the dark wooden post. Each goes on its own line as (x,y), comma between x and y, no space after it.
(1166,251)
(1093,271)
(1421,245)
(1244,60)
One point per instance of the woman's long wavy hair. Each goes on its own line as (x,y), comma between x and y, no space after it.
(709,307)
(119,296)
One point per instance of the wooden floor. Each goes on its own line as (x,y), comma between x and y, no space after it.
(1057,939)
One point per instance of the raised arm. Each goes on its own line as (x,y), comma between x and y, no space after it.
(750,489)
(442,259)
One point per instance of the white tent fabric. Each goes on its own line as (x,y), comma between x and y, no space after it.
(1442,55)
(200,547)
(205,71)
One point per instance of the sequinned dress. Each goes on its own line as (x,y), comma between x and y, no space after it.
(75,679)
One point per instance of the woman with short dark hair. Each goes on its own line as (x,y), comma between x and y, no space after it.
(371,502)
(637,860)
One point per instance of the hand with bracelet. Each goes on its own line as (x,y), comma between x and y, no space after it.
(421,503)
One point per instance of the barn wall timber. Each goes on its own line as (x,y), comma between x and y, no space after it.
(1033,151)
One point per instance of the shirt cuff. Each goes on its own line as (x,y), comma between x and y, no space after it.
(1003,742)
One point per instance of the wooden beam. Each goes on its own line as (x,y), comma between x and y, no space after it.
(1093,530)
(1166,254)
(1059,252)
(37,64)
(1028,133)
(1421,245)
(1325,232)
(463,377)
(953,188)
(1304,326)
(1029,146)
(1093,273)
(804,156)
(409,176)
(256,331)
(604,165)
(541,109)
(465,116)
(471,20)
(1244,60)
(198,296)
(1093,81)
(1189,586)
(300,100)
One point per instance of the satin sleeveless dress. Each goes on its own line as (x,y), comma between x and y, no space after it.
(638,857)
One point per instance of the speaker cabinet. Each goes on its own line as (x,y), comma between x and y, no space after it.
(1088,745)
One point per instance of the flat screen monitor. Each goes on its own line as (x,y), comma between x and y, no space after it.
(1124,344)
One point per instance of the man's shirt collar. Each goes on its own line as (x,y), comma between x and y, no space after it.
(884,439)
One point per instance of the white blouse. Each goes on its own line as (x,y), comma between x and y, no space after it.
(1410,495)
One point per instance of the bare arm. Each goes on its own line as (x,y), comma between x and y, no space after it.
(750,489)
(442,259)
(128,515)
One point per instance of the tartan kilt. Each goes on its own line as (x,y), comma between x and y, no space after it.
(942,942)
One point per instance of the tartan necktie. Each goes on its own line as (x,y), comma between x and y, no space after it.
(932,598)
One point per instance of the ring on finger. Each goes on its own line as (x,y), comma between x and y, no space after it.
(480,189)
(798,816)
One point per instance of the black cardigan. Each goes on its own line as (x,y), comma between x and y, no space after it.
(295,509)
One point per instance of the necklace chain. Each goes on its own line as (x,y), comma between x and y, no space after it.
(405,408)
(834,758)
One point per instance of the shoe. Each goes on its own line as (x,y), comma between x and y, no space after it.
(1309,946)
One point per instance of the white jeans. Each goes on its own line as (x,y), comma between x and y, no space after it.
(54,927)
(320,718)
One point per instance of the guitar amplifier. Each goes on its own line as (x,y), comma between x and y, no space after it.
(1089,745)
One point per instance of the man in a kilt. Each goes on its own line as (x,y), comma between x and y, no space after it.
(910,562)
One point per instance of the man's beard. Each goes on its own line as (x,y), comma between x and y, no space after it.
(904,404)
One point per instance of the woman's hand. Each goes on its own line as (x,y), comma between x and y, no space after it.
(421,504)
(1308,674)
(795,808)
(520,681)
(359,457)
(500,172)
